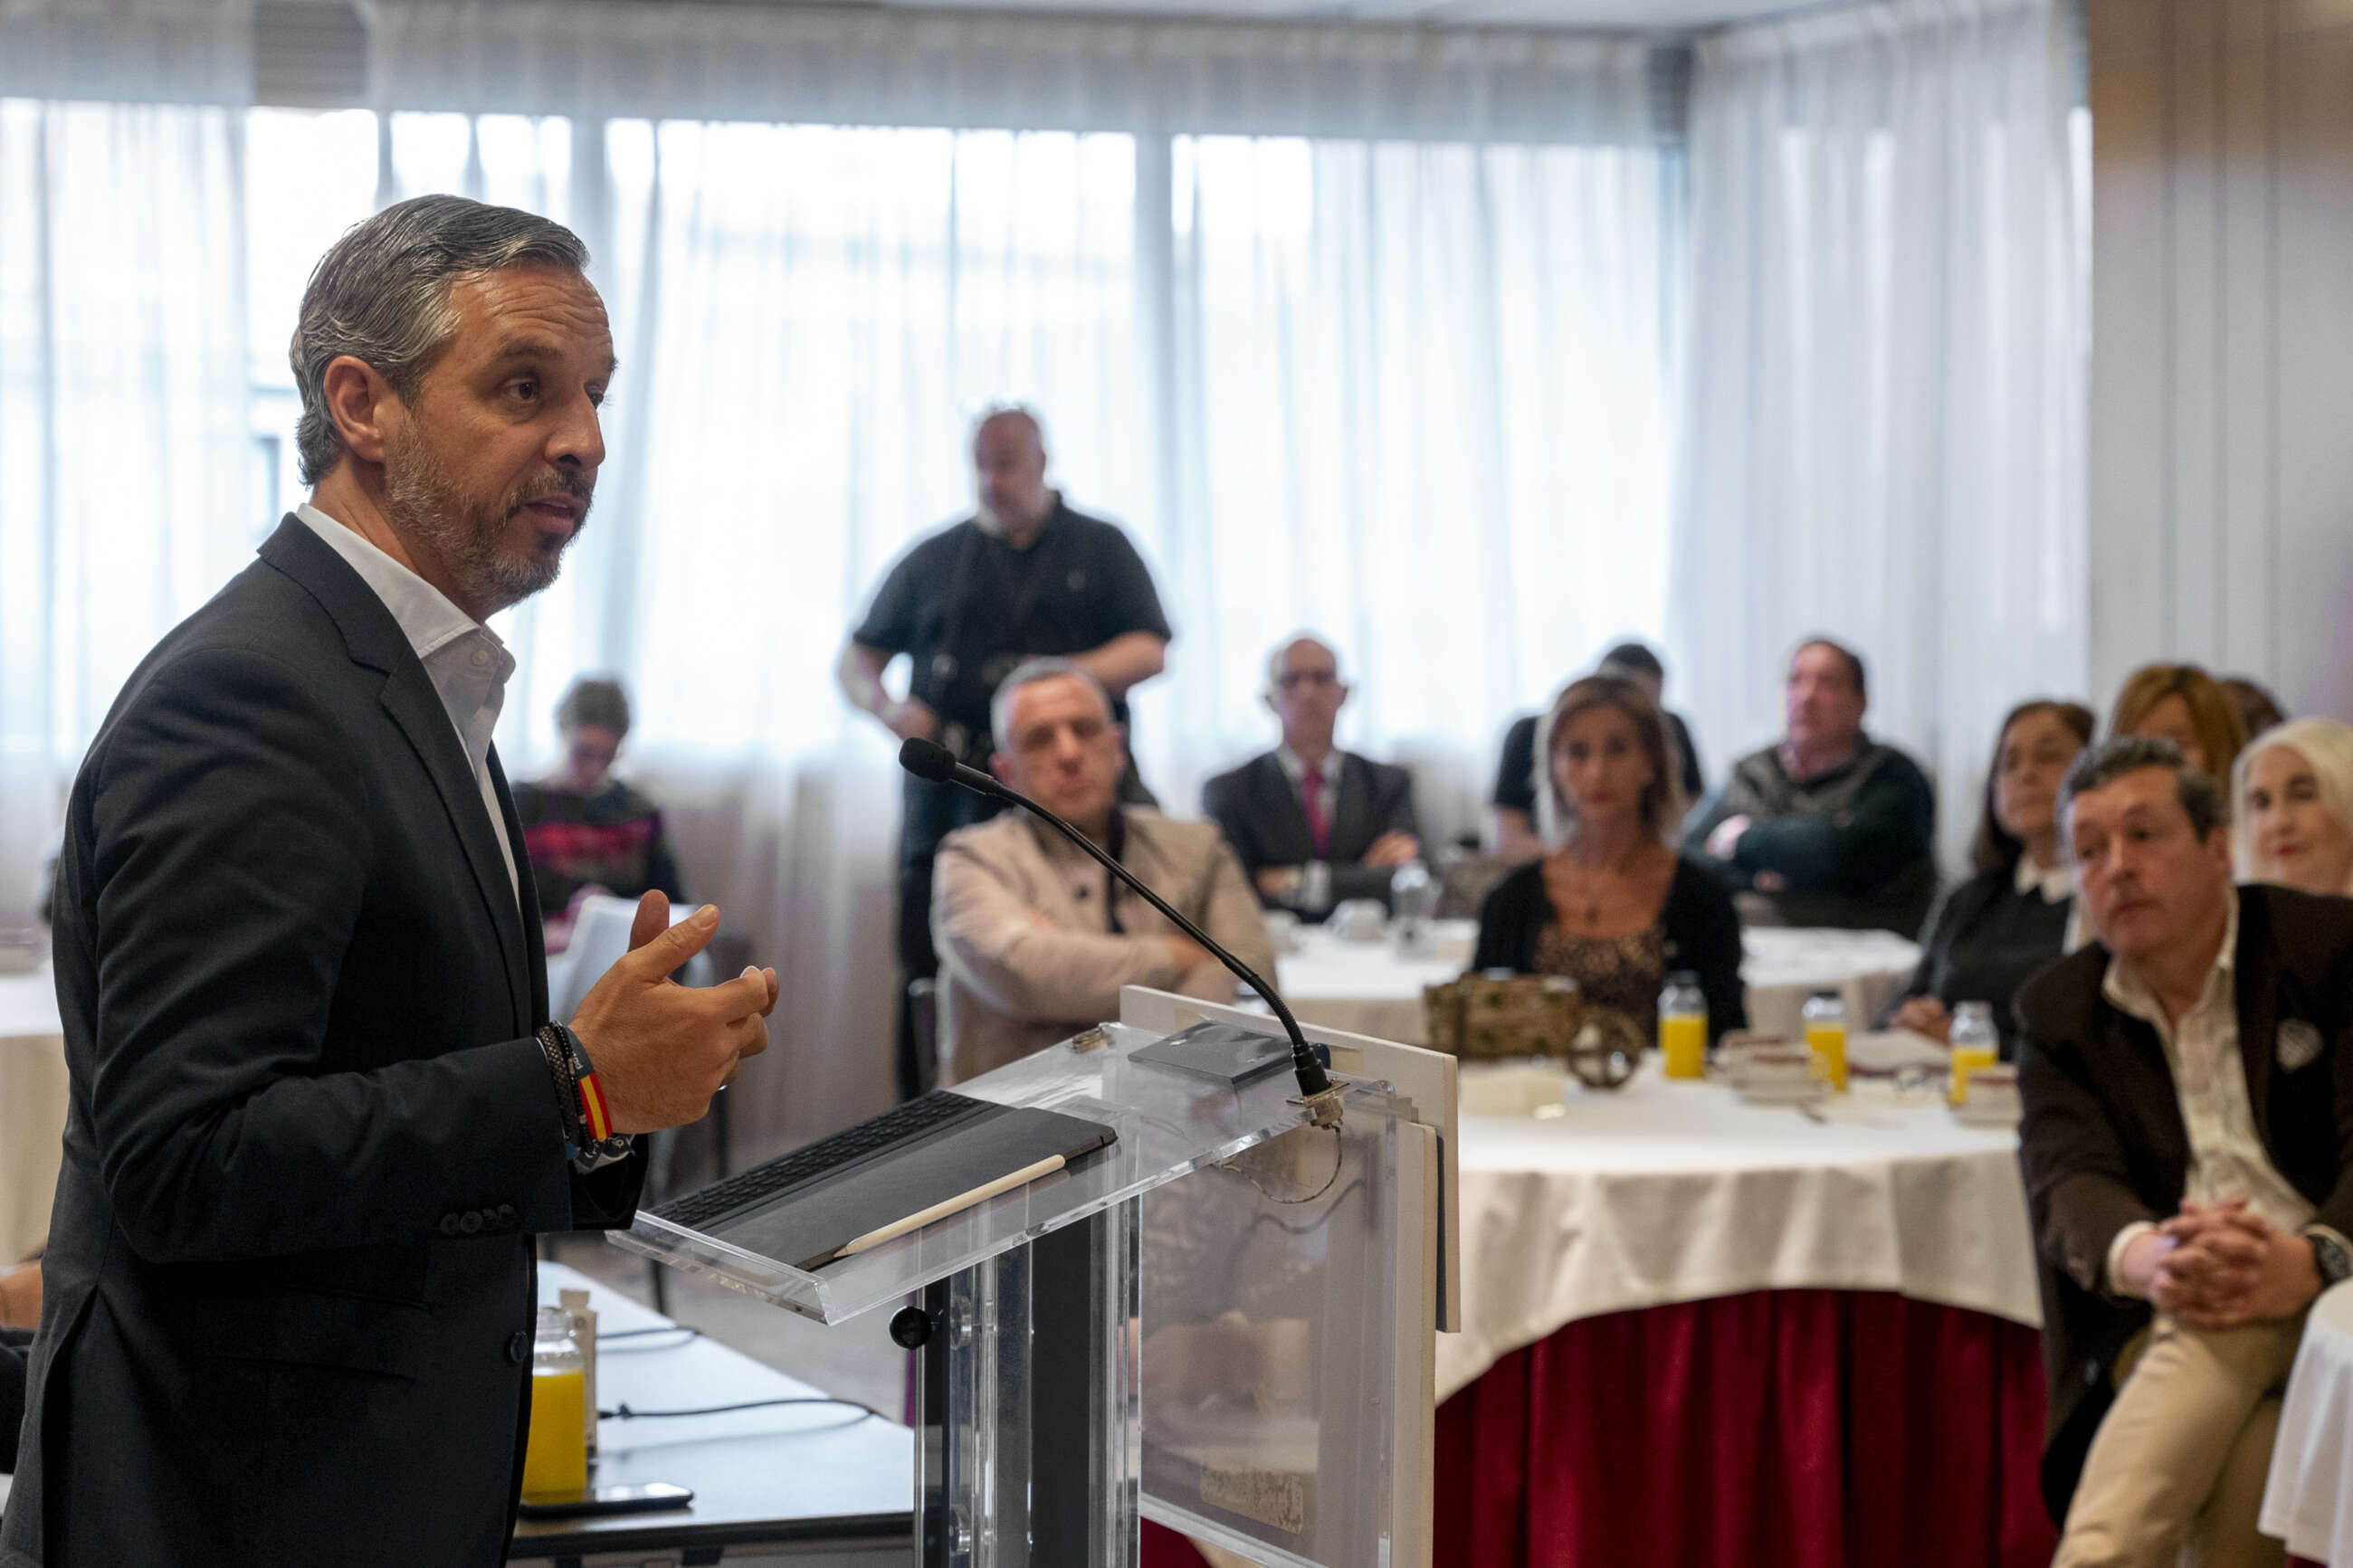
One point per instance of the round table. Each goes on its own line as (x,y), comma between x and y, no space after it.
(1707,1332)
(33,1096)
(2308,1497)
(1714,1334)
(1368,988)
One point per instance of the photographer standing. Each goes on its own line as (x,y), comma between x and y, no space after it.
(1024,577)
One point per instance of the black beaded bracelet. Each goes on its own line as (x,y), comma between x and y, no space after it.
(556,1049)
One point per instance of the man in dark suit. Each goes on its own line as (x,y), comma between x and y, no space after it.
(2188,1150)
(1308,803)
(318,1111)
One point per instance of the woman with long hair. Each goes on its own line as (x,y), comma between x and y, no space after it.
(1612,905)
(2009,919)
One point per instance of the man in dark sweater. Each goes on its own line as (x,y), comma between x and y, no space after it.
(1829,828)
(1307,801)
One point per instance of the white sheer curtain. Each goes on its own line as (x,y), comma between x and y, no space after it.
(124,455)
(1883,430)
(1422,409)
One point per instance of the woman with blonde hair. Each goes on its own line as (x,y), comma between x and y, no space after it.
(2292,807)
(2183,704)
(1613,906)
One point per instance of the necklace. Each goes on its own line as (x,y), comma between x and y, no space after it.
(1576,888)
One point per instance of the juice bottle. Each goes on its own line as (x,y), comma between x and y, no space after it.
(1683,1026)
(555,1456)
(1975,1044)
(1825,1016)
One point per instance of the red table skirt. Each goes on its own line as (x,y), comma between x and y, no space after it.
(1810,1429)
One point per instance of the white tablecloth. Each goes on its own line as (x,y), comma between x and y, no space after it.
(2308,1498)
(32,1108)
(1781,965)
(1669,1191)
(1367,988)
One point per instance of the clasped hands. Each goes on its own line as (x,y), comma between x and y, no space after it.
(661,1049)
(2218,1265)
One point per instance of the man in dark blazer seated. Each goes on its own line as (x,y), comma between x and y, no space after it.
(1308,802)
(315,1117)
(2188,1150)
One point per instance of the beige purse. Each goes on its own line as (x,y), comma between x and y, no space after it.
(1514,1018)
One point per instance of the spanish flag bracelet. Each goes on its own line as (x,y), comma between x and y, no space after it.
(589,1141)
(595,1121)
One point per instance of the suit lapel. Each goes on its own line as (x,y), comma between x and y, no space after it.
(533,917)
(1352,808)
(1293,845)
(416,706)
(2255,990)
(374,641)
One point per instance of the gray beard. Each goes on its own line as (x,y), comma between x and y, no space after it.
(424,503)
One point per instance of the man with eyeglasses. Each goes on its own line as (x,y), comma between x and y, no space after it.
(1307,804)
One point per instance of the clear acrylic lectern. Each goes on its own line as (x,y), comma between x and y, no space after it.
(1221,1321)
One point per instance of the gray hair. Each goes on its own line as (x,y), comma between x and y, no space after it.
(2327,747)
(381,294)
(2097,766)
(1283,649)
(1030,672)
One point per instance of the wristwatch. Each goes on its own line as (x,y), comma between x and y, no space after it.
(2329,1256)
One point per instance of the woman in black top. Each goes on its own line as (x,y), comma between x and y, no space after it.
(1995,931)
(1614,907)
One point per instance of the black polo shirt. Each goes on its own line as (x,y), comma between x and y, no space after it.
(967,607)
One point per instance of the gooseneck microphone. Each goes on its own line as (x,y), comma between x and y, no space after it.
(926,759)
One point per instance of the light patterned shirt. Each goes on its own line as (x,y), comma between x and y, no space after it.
(2227,1158)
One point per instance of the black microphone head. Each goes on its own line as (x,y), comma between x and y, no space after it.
(928,760)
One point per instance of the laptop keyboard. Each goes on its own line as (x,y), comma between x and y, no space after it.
(697,1209)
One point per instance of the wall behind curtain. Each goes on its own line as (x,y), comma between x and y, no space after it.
(2221,495)
(1882,431)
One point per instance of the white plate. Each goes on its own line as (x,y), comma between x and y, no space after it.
(1974,1116)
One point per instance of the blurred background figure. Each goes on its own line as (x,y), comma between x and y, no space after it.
(1518,836)
(1829,828)
(2257,709)
(1307,802)
(1614,907)
(1026,576)
(2009,920)
(2292,803)
(2183,704)
(585,831)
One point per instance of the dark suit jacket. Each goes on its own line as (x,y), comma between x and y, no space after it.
(1262,819)
(289,1290)
(2102,1142)
(13,1344)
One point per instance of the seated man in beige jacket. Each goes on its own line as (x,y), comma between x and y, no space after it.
(1035,939)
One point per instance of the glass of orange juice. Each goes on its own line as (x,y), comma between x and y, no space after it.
(555,1456)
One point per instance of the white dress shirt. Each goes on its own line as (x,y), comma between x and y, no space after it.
(2227,1159)
(466,661)
(2055,883)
